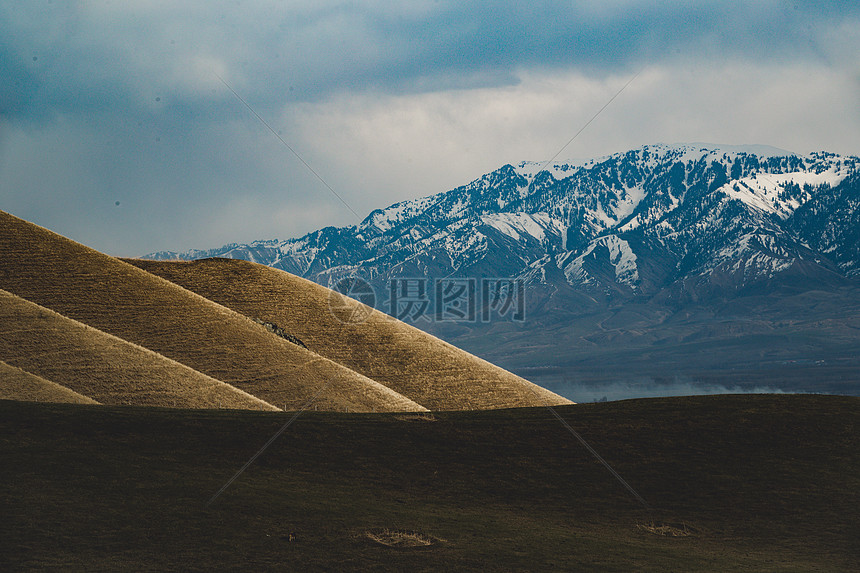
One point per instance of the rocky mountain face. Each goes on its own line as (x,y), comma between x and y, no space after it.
(667,228)
(632,224)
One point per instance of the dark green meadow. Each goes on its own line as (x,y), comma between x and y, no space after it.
(757,482)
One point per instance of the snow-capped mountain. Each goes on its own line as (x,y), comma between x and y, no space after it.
(717,265)
(630,224)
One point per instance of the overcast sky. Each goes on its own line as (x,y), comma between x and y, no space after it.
(116,131)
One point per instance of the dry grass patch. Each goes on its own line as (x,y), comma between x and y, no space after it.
(416,417)
(104,367)
(136,306)
(413,363)
(401,538)
(666,530)
(16,384)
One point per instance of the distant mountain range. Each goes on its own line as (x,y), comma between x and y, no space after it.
(632,223)
(662,227)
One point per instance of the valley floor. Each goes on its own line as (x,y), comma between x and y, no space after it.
(750,483)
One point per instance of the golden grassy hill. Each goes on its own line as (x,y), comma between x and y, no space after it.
(402,357)
(104,367)
(16,384)
(127,302)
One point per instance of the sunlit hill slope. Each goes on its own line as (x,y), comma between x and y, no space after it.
(117,334)
(404,358)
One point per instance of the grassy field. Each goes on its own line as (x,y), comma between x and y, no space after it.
(749,483)
(380,365)
(120,299)
(410,361)
(16,384)
(102,367)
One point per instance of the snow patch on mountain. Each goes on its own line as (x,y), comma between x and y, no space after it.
(694,150)
(386,219)
(531,169)
(521,225)
(620,256)
(767,191)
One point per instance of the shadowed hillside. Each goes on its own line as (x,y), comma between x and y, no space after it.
(737,483)
(414,363)
(122,300)
(104,367)
(16,384)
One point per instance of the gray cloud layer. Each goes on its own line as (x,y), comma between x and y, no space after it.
(96,55)
(104,102)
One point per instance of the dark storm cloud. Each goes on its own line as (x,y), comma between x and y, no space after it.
(96,54)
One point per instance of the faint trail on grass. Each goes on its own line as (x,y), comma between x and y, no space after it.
(588,447)
(267,444)
(599,458)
